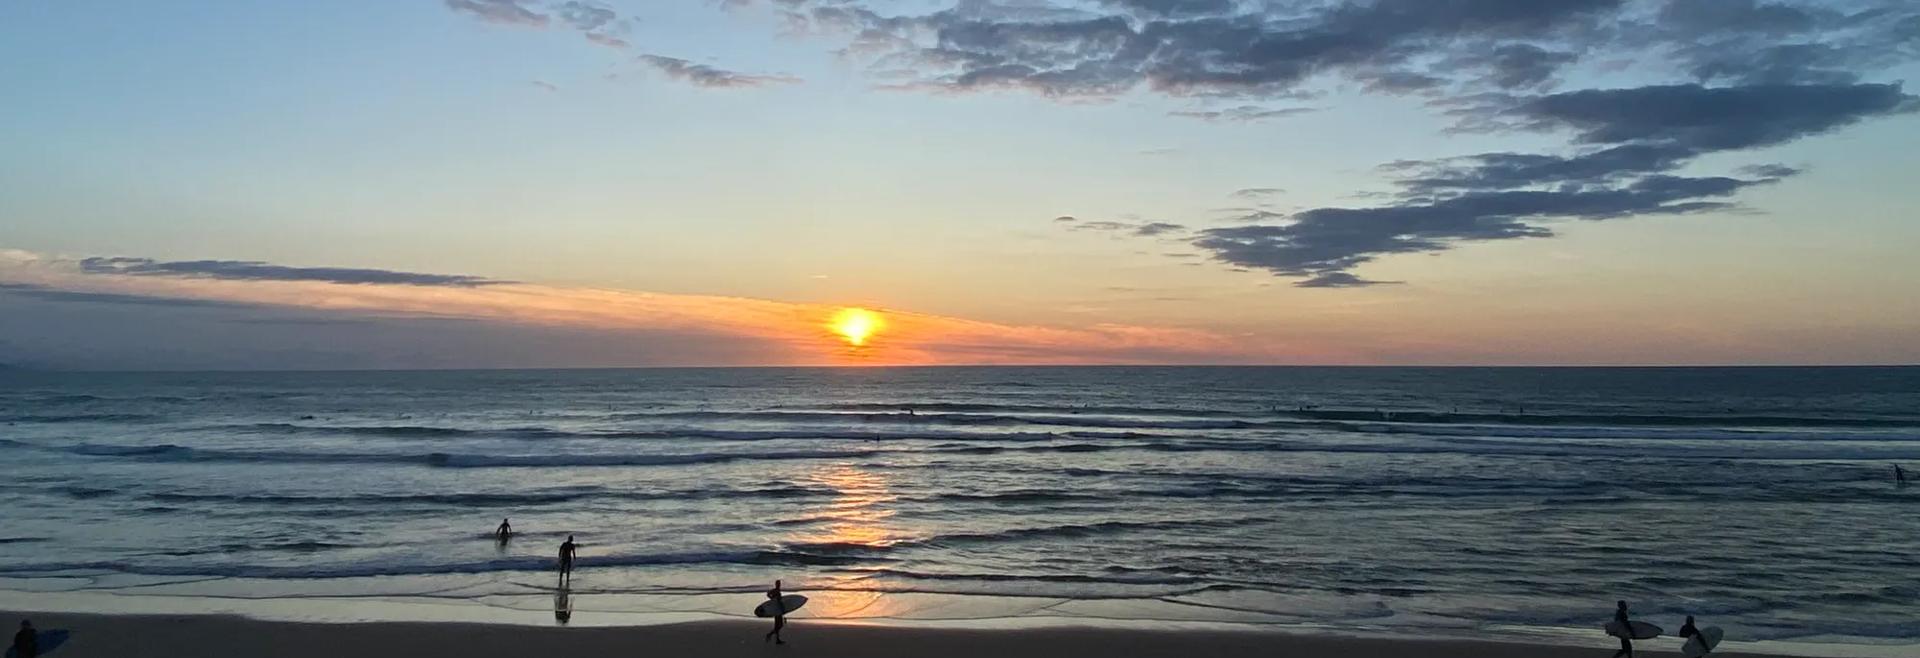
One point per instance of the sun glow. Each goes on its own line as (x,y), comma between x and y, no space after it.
(856,325)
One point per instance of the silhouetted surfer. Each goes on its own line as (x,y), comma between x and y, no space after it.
(566,558)
(1626,631)
(1899,475)
(779,615)
(504,531)
(26,643)
(1687,629)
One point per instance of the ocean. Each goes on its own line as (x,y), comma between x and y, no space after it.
(1419,501)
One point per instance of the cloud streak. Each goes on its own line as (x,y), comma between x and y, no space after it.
(258,271)
(702,75)
(761,331)
(595,22)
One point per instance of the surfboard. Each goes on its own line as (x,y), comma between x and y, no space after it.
(49,640)
(791,602)
(1641,630)
(1699,645)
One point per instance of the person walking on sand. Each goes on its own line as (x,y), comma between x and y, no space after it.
(26,643)
(1626,631)
(566,558)
(504,531)
(779,615)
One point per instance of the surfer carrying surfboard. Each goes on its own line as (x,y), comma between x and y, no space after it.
(779,615)
(1626,639)
(503,532)
(26,643)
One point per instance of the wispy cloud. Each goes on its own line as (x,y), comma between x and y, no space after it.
(258,271)
(1243,113)
(596,22)
(703,75)
(506,12)
(1136,229)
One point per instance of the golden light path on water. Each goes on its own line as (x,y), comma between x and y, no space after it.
(858,516)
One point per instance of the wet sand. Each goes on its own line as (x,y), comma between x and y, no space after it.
(208,635)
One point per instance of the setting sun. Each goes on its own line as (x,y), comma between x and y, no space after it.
(856,325)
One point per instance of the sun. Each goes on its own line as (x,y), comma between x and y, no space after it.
(856,325)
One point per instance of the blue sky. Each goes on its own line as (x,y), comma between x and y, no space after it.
(840,168)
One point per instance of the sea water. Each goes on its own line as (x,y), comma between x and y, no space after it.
(1398,500)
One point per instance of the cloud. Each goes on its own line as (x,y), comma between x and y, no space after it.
(596,22)
(1636,139)
(49,294)
(703,75)
(1242,113)
(506,12)
(258,271)
(720,330)
(1340,280)
(1274,49)
(1257,192)
(1323,241)
(1712,118)
(1135,229)
(545,85)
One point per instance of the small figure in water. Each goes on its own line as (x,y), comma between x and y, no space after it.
(26,643)
(1626,631)
(566,559)
(504,531)
(1687,629)
(1899,475)
(779,615)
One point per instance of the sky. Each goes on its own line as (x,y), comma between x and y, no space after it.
(576,183)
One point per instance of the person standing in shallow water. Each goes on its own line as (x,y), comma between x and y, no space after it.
(504,532)
(1626,631)
(779,615)
(566,558)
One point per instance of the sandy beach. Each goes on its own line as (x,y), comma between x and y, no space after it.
(208,635)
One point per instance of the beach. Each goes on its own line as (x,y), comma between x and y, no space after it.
(182,636)
(1463,504)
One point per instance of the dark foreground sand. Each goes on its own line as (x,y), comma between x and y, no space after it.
(168,636)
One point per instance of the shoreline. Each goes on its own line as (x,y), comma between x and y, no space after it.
(386,623)
(162,636)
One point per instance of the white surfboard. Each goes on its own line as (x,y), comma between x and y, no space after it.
(1641,630)
(1699,645)
(790,602)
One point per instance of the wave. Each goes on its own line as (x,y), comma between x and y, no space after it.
(1460,445)
(967,419)
(171,452)
(1728,420)
(489,499)
(400,568)
(1112,579)
(1644,433)
(77,418)
(1386,415)
(820,433)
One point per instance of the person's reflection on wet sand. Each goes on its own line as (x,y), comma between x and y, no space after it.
(563,603)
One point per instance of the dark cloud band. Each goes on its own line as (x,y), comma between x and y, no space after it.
(258,271)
